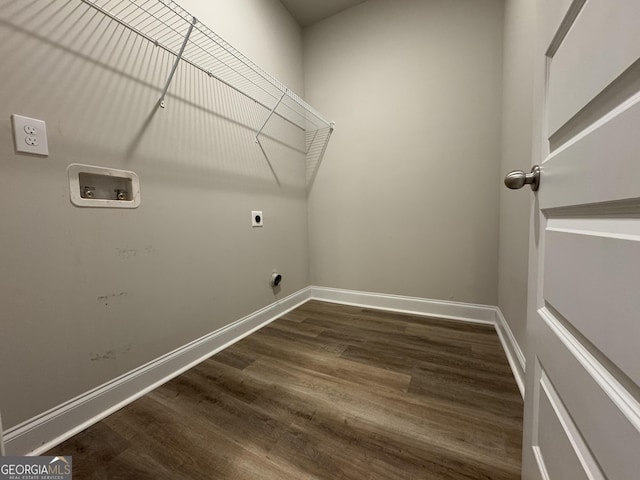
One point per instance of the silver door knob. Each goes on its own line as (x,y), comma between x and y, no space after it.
(518,179)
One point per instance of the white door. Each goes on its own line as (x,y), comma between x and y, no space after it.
(582,410)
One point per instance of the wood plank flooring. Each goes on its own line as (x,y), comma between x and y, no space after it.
(325,392)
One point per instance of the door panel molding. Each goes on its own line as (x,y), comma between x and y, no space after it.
(601,407)
(619,395)
(563,451)
(604,264)
(589,57)
(567,22)
(586,160)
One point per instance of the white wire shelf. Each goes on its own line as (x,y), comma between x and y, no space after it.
(170,27)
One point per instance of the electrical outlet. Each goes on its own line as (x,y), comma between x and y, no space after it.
(30,135)
(257,219)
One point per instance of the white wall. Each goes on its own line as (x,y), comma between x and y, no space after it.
(517,118)
(406,199)
(89,294)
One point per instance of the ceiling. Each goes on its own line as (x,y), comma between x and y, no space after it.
(307,12)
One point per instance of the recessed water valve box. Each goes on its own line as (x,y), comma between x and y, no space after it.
(92,186)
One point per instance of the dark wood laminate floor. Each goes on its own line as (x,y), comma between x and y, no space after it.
(325,392)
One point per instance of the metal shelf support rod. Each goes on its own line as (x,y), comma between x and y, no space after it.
(326,142)
(268,117)
(175,64)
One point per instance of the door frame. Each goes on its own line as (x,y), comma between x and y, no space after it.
(539,151)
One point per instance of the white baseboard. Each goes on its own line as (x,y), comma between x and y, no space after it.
(512,349)
(50,428)
(467,312)
(43,432)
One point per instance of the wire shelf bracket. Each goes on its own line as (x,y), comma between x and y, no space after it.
(177,61)
(168,26)
(265,124)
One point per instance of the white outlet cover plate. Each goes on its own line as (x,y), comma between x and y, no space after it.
(254,215)
(30,135)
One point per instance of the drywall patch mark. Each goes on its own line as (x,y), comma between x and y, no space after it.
(133,252)
(110,298)
(109,354)
(127,252)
